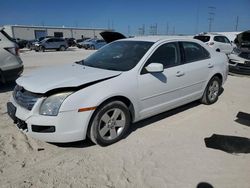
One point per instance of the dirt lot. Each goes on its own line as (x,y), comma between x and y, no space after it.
(167,150)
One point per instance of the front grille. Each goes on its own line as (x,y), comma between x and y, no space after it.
(25,98)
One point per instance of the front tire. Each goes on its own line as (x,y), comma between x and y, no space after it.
(41,49)
(110,123)
(62,48)
(212,91)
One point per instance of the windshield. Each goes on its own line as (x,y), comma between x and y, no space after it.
(119,56)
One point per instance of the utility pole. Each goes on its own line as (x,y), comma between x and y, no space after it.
(197,18)
(141,30)
(174,30)
(153,29)
(211,14)
(112,25)
(237,23)
(167,29)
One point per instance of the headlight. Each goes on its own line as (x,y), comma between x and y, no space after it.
(51,105)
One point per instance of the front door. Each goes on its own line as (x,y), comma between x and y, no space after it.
(159,92)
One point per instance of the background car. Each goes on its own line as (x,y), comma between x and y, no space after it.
(11,65)
(79,42)
(239,61)
(71,41)
(93,44)
(219,42)
(33,43)
(51,43)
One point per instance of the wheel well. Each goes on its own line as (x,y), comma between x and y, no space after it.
(123,99)
(219,76)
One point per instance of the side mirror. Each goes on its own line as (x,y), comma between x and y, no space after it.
(154,67)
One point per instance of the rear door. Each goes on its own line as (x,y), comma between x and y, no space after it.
(228,45)
(198,65)
(223,44)
(56,43)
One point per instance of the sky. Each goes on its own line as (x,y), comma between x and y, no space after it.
(130,16)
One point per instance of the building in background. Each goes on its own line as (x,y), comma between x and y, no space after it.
(35,32)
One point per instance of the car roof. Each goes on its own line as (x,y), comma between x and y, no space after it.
(158,38)
(209,34)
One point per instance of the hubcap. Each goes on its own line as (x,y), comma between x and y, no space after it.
(213,90)
(111,124)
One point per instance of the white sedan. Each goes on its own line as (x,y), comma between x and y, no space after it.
(125,81)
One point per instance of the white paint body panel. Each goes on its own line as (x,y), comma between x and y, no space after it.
(149,94)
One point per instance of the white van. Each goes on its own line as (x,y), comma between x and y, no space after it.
(11,65)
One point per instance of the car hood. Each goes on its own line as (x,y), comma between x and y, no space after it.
(110,36)
(68,76)
(243,39)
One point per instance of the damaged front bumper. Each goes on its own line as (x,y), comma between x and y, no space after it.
(239,67)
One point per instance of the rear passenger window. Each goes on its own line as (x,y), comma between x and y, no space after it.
(194,52)
(167,54)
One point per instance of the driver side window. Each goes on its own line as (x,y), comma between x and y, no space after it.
(167,54)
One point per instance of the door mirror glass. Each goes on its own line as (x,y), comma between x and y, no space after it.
(154,67)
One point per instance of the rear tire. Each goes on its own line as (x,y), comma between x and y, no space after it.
(109,123)
(212,91)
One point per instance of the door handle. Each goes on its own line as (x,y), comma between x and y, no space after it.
(180,73)
(210,65)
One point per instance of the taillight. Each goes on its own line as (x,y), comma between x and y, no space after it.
(13,50)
